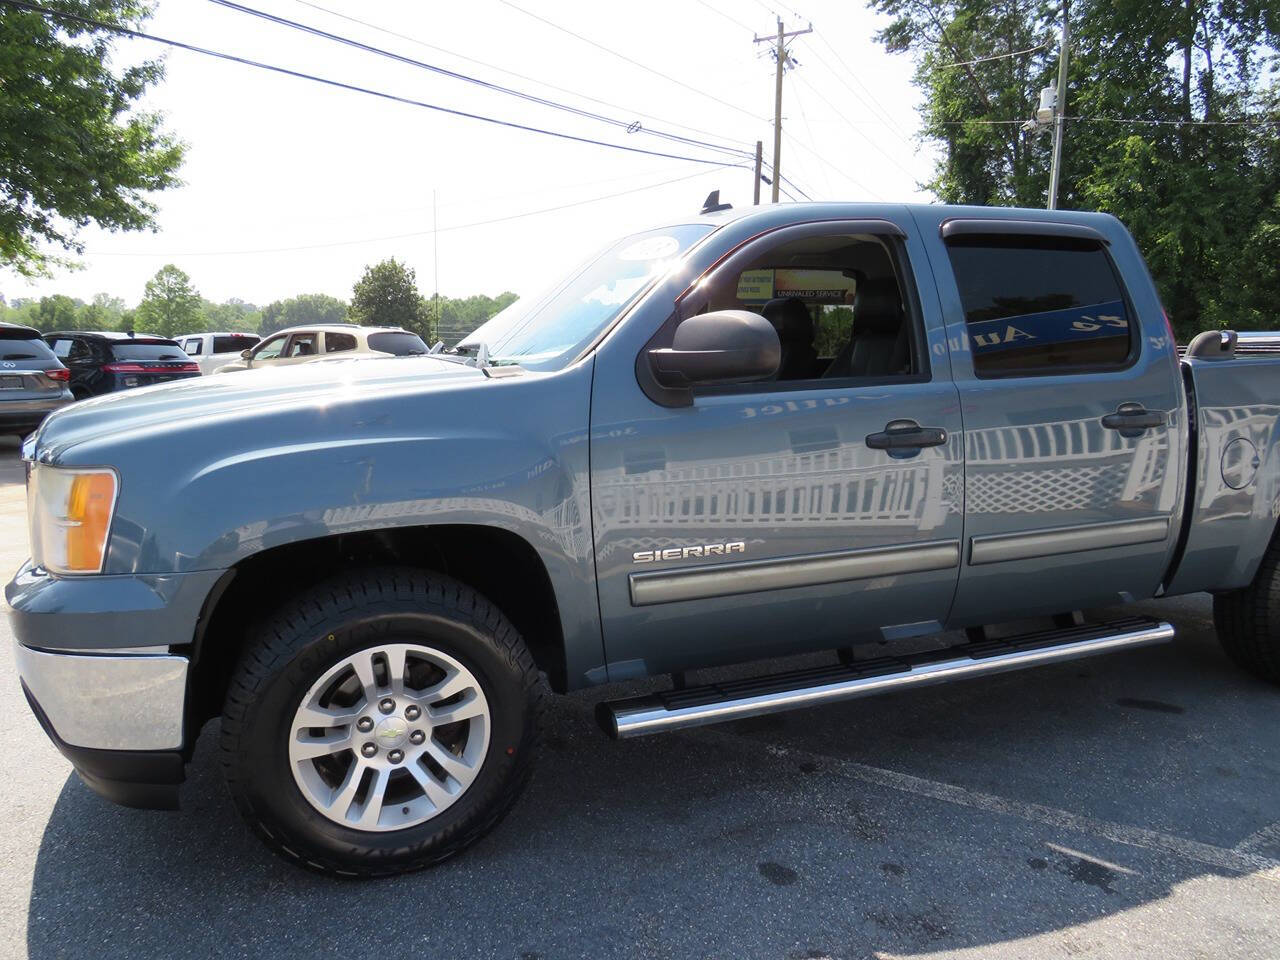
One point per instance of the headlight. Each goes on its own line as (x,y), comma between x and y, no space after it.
(69,513)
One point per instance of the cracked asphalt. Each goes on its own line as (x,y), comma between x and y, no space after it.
(1125,806)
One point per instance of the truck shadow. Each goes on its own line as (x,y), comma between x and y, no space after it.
(762,838)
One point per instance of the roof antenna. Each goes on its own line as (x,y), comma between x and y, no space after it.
(713,205)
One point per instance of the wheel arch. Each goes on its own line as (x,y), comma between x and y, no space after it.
(500,564)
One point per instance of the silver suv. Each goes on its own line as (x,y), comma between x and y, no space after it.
(33,382)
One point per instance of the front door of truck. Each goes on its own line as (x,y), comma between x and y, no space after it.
(816,508)
(1070,392)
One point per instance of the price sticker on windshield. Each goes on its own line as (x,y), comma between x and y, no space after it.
(650,248)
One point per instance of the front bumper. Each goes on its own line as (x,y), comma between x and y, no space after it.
(95,659)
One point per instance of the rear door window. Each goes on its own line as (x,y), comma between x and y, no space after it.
(1040,305)
(399,344)
(232,344)
(338,342)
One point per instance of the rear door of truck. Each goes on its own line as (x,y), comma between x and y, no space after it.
(1072,406)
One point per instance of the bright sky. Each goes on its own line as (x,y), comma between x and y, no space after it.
(293,187)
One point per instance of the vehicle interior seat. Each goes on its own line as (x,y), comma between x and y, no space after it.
(878,341)
(306,348)
(791,318)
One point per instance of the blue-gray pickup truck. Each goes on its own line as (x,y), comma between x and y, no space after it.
(911,442)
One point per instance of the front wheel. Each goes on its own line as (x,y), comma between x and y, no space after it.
(381,723)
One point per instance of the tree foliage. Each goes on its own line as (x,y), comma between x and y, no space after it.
(306,308)
(1203,201)
(387,295)
(170,305)
(453,319)
(73,151)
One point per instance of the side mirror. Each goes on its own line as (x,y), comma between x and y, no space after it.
(727,346)
(246,354)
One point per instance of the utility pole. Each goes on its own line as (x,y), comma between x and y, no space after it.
(783,60)
(759,160)
(1060,107)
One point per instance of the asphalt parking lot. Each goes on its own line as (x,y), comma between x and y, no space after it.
(1126,806)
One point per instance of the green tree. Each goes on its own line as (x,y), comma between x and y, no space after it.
(387,295)
(56,312)
(170,305)
(235,315)
(73,151)
(1200,199)
(304,309)
(455,318)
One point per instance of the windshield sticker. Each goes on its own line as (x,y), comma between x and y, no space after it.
(650,248)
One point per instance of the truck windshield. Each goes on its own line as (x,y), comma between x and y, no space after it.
(546,332)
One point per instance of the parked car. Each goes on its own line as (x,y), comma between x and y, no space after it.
(33,383)
(214,350)
(104,362)
(893,435)
(327,341)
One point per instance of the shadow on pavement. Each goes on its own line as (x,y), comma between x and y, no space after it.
(698,845)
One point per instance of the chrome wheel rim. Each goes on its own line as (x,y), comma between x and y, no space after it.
(389,737)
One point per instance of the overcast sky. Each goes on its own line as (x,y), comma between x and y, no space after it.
(293,187)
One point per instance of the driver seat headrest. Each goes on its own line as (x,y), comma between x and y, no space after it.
(877,306)
(790,317)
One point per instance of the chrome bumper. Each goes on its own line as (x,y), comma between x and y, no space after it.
(108,701)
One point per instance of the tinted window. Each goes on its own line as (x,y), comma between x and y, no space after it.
(23,348)
(337,342)
(399,344)
(1038,304)
(62,348)
(233,344)
(147,350)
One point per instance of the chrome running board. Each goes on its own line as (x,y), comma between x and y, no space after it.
(713,703)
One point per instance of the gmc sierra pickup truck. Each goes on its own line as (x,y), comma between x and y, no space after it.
(922,439)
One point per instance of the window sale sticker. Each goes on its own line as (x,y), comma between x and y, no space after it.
(650,248)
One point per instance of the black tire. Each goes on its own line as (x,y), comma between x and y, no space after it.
(292,649)
(1248,620)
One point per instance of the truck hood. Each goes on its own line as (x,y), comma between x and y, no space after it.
(248,395)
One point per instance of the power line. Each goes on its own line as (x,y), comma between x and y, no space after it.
(1179,123)
(823,160)
(338,84)
(467,78)
(416,233)
(503,70)
(998,56)
(851,126)
(1161,123)
(623,56)
(869,101)
(720,13)
(809,129)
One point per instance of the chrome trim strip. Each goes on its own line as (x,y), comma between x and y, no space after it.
(1000,547)
(646,718)
(109,701)
(727,579)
